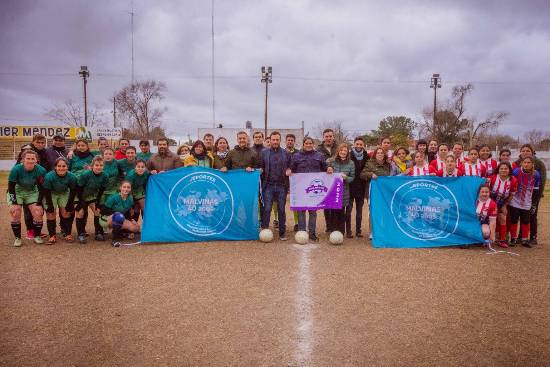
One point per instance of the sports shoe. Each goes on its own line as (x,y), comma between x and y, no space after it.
(99,237)
(358,235)
(30,234)
(370,236)
(514,242)
(275,223)
(533,241)
(313,238)
(82,239)
(295,228)
(38,240)
(525,243)
(283,238)
(349,235)
(115,244)
(17,242)
(503,244)
(51,240)
(68,238)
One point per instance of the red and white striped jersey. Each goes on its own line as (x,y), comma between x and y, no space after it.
(501,189)
(490,166)
(437,164)
(445,173)
(485,210)
(420,171)
(476,169)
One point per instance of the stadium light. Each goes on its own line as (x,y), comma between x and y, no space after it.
(267,74)
(85,74)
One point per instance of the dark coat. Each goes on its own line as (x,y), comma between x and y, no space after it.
(358,187)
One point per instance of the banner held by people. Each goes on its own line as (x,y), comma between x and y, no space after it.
(201,204)
(425,211)
(317,190)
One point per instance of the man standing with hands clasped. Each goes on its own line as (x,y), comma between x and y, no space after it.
(164,160)
(274,163)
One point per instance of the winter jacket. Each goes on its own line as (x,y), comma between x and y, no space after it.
(53,153)
(219,162)
(268,163)
(164,162)
(347,168)
(241,158)
(190,160)
(326,152)
(304,162)
(358,186)
(373,166)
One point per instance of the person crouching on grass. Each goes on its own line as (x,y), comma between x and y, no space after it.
(59,193)
(138,178)
(91,185)
(116,214)
(503,187)
(486,210)
(25,188)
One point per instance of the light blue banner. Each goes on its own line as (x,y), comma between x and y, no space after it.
(201,204)
(425,211)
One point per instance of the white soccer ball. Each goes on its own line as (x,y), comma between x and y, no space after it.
(301,237)
(336,238)
(266,235)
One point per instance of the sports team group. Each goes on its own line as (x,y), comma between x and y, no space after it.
(110,182)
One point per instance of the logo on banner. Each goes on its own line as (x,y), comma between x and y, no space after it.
(425,210)
(201,204)
(316,188)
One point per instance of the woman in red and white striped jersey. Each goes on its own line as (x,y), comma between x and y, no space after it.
(473,166)
(487,160)
(503,186)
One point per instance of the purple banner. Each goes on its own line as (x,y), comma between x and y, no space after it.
(318,190)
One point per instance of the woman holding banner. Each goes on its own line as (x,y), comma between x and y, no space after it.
(342,164)
(305,161)
(221,149)
(402,162)
(503,186)
(378,165)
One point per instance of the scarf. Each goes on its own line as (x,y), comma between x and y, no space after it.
(82,154)
(402,165)
(358,155)
(222,155)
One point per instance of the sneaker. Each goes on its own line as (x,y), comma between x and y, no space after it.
(275,223)
(283,238)
(30,234)
(295,228)
(68,238)
(358,235)
(17,242)
(82,239)
(51,240)
(503,244)
(533,241)
(525,243)
(99,237)
(38,240)
(349,235)
(370,236)
(115,244)
(513,242)
(131,236)
(313,238)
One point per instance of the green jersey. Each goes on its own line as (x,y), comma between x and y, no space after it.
(78,164)
(59,184)
(91,184)
(114,174)
(144,156)
(118,204)
(138,182)
(27,180)
(126,166)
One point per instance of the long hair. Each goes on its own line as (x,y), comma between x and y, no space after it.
(217,141)
(336,155)
(373,158)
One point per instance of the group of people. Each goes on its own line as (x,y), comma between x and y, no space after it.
(111,183)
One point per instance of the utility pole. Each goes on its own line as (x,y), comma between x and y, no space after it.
(132,31)
(436,83)
(84,73)
(213,73)
(114,112)
(266,78)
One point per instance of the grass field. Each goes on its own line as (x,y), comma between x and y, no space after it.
(277,304)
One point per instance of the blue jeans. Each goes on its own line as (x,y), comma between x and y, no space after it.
(274,193)
(312,221)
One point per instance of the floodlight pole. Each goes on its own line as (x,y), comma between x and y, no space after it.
(84,73)
(435,83)
(266,78)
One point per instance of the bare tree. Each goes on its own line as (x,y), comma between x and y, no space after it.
(340,134)
(72,114)
(534,137)
(491,122)
(135,103)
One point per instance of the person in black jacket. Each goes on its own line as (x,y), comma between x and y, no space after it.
(328,149)
(357,187)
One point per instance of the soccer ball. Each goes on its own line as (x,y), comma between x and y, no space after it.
(301,237)
(336,238)
(266,235)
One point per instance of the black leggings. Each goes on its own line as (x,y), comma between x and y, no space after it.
(523,215)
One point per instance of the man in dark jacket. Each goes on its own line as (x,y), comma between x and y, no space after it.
(56,150)
(274,162)
(328,149)
(357,188)
(258,146)
(242,156)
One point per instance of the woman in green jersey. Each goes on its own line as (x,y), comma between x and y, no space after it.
(91,185)
(25,188)
(113,171)
(81,158)
(59,193)
(127,164)
(138,178)
(116,213)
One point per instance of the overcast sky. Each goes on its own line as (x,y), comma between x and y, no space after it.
(316,48)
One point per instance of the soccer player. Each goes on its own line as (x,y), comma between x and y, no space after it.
(525,201)
(121,151)
(438,164)
(505,155)
(458,152)
(432,150)
(116,214)
(113,171)
(503,187)
(450,170)
(420,168)
(486,210)
(145,150)
(129,163)
(487,161)
(91,185)
(25,188)
(59,193)
(138,178)
(473,166)
(81,158)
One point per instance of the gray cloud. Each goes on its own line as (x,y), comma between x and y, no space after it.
(391,47)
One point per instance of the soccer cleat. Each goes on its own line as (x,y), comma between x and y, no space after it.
(115,243)
(68,238)
(51,240)
(513,242)
(295,228)
(82,239)
(17,242)
(525,243)
(533,241)
(30,234)
(503,244)
(99,237)
(38,240)
(313,238)
(275,223)
(283,238)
